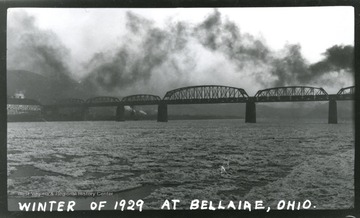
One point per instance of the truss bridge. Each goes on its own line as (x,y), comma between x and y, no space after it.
(204,94)
(141,99)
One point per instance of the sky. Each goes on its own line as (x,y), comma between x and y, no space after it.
(154,50)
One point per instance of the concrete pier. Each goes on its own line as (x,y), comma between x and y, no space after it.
(50,112)
(85,113)
(120,113)
(332,112)
(162,113)
(250,113)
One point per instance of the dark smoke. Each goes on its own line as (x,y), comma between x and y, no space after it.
(135,62)
(337,58)
(288,67)
(167,57)
(225,36)
(293,69)
(137,24)
(41,52)
(151,48)
(208,32)
(38,50)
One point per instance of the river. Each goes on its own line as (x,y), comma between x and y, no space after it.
(183,159)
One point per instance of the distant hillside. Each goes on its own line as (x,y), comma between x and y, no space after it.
(41,88)
(33,85)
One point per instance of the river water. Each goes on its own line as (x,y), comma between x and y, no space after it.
(183,159)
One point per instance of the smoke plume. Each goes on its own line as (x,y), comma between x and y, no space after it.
(293,69)
(152,59)
(225,36)
(337,58)
(147,48)
(271,68)
(41,52)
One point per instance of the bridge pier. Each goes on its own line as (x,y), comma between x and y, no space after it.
(45,111)
(332,112)
(85,113)
(250,113)
(133,113)
(120,113)
(50,113)
(162,113)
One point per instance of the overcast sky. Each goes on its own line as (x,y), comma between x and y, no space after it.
(85,32)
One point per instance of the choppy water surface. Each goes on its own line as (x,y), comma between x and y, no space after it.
(269,160)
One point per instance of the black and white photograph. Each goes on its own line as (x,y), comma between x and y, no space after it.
(136,109)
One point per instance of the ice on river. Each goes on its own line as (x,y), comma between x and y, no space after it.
(269,160)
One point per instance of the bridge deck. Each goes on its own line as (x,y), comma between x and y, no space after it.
(214,101)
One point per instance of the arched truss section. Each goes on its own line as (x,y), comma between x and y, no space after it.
(347,91)
(141,98)
(102,99)
(71,101)
(22,101)
(292,93)
(207,94)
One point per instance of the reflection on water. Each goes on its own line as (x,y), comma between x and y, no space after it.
(270,160)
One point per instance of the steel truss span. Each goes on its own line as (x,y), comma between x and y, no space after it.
(206,94)
(102,99)
(141,99)
(71,101)
(292,93)
(347,93)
